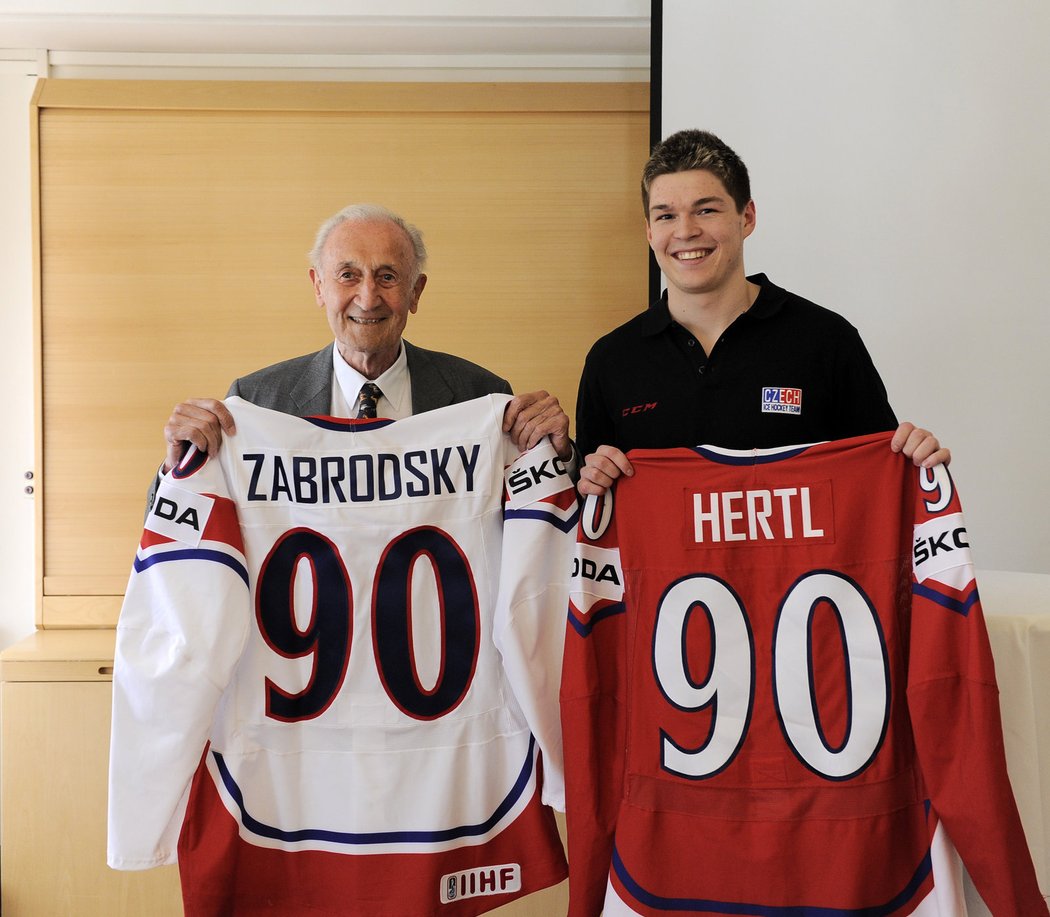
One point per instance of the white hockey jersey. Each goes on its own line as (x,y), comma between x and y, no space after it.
(337,668)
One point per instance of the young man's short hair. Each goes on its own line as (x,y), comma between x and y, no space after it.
(694,149)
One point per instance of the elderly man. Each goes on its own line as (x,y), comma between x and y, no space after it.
(367,268)
(344,638)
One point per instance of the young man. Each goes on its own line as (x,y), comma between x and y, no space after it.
(723,359)
(755,677)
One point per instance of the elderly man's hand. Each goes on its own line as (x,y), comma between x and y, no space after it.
(530,417)
(200,421)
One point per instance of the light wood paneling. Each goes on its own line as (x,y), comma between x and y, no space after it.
(197,95)
(54,837)
(174,221)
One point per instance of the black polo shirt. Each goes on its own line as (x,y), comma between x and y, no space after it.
(787,371)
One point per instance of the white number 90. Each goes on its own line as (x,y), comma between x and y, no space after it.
(729,684)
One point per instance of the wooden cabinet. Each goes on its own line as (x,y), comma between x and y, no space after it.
(55,731)
(56,710)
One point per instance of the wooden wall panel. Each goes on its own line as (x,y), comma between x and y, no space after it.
(54,837)
(173,225)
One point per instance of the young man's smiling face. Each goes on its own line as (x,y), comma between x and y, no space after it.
(696,232)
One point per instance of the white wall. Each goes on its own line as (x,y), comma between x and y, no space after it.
(17,79)
(897,155)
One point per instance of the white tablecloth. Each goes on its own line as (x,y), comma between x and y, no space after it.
(1017,610)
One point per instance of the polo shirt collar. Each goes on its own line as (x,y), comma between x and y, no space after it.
(770,300)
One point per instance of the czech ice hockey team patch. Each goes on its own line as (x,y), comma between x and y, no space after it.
(776,400)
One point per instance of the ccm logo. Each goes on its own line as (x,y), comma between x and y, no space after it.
(639,408)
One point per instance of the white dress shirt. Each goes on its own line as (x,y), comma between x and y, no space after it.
(396,401)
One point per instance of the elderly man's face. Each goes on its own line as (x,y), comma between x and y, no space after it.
(365,285)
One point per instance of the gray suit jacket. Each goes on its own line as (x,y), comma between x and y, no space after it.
(303,385)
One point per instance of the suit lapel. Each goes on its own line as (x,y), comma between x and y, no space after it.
(430,389)
(312,392)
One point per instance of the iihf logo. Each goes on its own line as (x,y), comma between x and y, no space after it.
(484,880)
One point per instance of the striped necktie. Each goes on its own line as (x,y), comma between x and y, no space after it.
(366,401)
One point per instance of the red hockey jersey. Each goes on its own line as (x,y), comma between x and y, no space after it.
(337,669)
(778,692)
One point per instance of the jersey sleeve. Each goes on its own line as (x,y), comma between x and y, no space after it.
(181,630)
(540,514)
(954,704)
(593,699)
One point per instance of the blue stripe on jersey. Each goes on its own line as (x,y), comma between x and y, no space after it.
(144,563)
(192,462)
(354,425)
(749,458)
(564,525)
(584,628)
(352,838)
(766,910)
(959,606)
